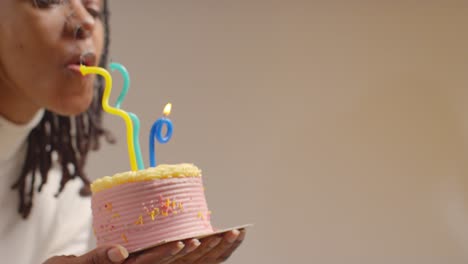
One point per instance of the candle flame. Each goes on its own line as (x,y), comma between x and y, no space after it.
(167,109)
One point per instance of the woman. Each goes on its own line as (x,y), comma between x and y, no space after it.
(50,117)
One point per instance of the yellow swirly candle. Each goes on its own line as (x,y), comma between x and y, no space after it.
(112,110)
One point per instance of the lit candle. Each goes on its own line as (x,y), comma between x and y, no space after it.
(157,132)
(135,120)
(112,110)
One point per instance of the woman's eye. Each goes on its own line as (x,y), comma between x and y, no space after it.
(95,13)
(47,3)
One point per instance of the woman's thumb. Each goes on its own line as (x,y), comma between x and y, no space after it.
(103,255)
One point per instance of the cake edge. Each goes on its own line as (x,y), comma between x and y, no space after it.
(163,171)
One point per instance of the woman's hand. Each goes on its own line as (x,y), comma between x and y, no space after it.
(209,250)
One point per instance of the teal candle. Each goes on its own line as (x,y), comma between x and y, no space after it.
(135,119)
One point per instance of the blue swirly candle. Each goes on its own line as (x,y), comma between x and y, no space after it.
(157,133)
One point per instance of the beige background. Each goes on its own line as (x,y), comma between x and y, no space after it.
(340,129)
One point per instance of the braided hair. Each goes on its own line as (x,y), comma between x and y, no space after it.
(67,139)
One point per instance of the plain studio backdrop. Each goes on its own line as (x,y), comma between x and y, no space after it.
(339,128)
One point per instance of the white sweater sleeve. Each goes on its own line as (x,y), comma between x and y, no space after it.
(72,231)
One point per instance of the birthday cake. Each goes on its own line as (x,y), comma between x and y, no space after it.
(140,209)
(146,207)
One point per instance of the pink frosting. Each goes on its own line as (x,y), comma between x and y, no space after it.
(136,216)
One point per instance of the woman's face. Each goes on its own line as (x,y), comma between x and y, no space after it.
(42,43)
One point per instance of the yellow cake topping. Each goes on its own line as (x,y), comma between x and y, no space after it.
(162,171)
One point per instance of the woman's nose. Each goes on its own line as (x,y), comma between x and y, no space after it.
(80,22)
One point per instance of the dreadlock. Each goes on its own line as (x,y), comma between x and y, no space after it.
(69,139)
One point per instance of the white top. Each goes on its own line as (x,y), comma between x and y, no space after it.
(56,226)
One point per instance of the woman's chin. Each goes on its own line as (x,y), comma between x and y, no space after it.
(71,107)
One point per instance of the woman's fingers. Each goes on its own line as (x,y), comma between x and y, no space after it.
(102,255)
(207,244)
(236,244)
(222,249)
(159,254)
(190,246)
